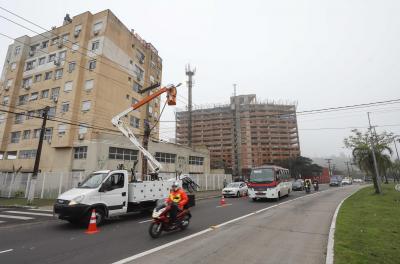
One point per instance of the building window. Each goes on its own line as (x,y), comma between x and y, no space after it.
(42,60)
(48,75)
(92,64)
(6,99)
(65,107)
(82,129)
(51,112)
(15,136)
(2,118)
(26,134)
(97,27)
(122,154)
(95,45)
(54,93)
(58,74)
(11,155)
(48,134)
(75,47)
(34,96)
(19,118)
(77,30)
(165,157)
(140,56)
(134,122)
(62,128)
(80,152)
(45,44)
(86,105)
(139,73)
(52,57)
(136,87)
(30,65)
(30,114)
(44,94)
(36,133)
(27,154)
(17,50)
(27,82)
(23,99)
(71,66)
(193,160)
(89,84)
(64,38)
(9,83)
(2,155)
(61,56)
(68,87)
(38,78)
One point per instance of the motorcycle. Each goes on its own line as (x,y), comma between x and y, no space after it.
(307,188)
(161,220)
(316,187)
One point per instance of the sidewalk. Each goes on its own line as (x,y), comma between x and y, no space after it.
(291,233)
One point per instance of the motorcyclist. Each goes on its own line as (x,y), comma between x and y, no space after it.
(315,184)
(307,183)
(178,199)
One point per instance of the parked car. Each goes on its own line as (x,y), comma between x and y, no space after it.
(336,181)
(298,185)
(347,181)
(235,189)
(358,180)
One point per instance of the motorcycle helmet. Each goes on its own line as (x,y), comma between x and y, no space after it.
(175,184)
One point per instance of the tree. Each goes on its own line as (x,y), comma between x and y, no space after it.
(360,144)
(300,166)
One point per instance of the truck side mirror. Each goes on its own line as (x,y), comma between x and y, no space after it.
(79,184)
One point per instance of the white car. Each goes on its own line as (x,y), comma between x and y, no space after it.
(347,181)
(235,189)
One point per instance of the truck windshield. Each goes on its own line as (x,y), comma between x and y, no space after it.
(262,175)
(93,181)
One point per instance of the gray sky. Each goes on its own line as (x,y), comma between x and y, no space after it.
(318,53)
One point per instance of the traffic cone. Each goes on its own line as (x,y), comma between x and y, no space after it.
(92,228)
(222,202)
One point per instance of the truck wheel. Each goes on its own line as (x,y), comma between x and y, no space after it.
(254,199)
(100,215)
(155,230)
(74,221)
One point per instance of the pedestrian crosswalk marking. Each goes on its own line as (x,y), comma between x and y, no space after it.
(16,217)
(28,213)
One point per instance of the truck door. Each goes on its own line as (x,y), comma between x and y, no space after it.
(115,193)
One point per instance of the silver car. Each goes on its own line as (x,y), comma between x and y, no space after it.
(235,189)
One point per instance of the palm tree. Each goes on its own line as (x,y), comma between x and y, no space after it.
(362,153)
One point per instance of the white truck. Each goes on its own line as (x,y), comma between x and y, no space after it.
(110,192)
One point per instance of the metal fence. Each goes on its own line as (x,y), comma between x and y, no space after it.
(51,184)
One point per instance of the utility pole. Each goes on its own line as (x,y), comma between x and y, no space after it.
(329,166)
(146,136)
(348,168)
(31,193)
(378,179)
(190,73)
(395,146)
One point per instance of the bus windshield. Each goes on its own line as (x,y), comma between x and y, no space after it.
(93,181)
(262,175)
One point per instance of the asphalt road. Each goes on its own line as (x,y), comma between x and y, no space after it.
(55,241)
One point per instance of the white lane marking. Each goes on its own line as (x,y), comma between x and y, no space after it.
(126,260)
(28,213)
(16,217)
(145,221)
(153,250)
(1,222)
(5,251)
(41,210)
(223,205)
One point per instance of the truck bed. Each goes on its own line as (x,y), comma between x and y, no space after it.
(148,190)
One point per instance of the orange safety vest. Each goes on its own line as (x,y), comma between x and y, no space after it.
(179,197)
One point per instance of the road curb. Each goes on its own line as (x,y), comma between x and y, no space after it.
(19,206)
(331,238)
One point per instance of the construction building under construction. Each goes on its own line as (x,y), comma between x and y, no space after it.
(243,134)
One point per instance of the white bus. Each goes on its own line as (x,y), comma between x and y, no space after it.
(269,181)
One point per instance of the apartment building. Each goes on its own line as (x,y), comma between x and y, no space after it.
(242,134)
(86,71)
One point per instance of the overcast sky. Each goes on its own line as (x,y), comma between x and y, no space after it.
(317,53)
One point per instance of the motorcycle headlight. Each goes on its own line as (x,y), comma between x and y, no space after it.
(76,200)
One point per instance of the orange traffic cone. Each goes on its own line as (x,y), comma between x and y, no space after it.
(222,202)
(92,228)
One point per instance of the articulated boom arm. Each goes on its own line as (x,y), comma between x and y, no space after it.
(125,129)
